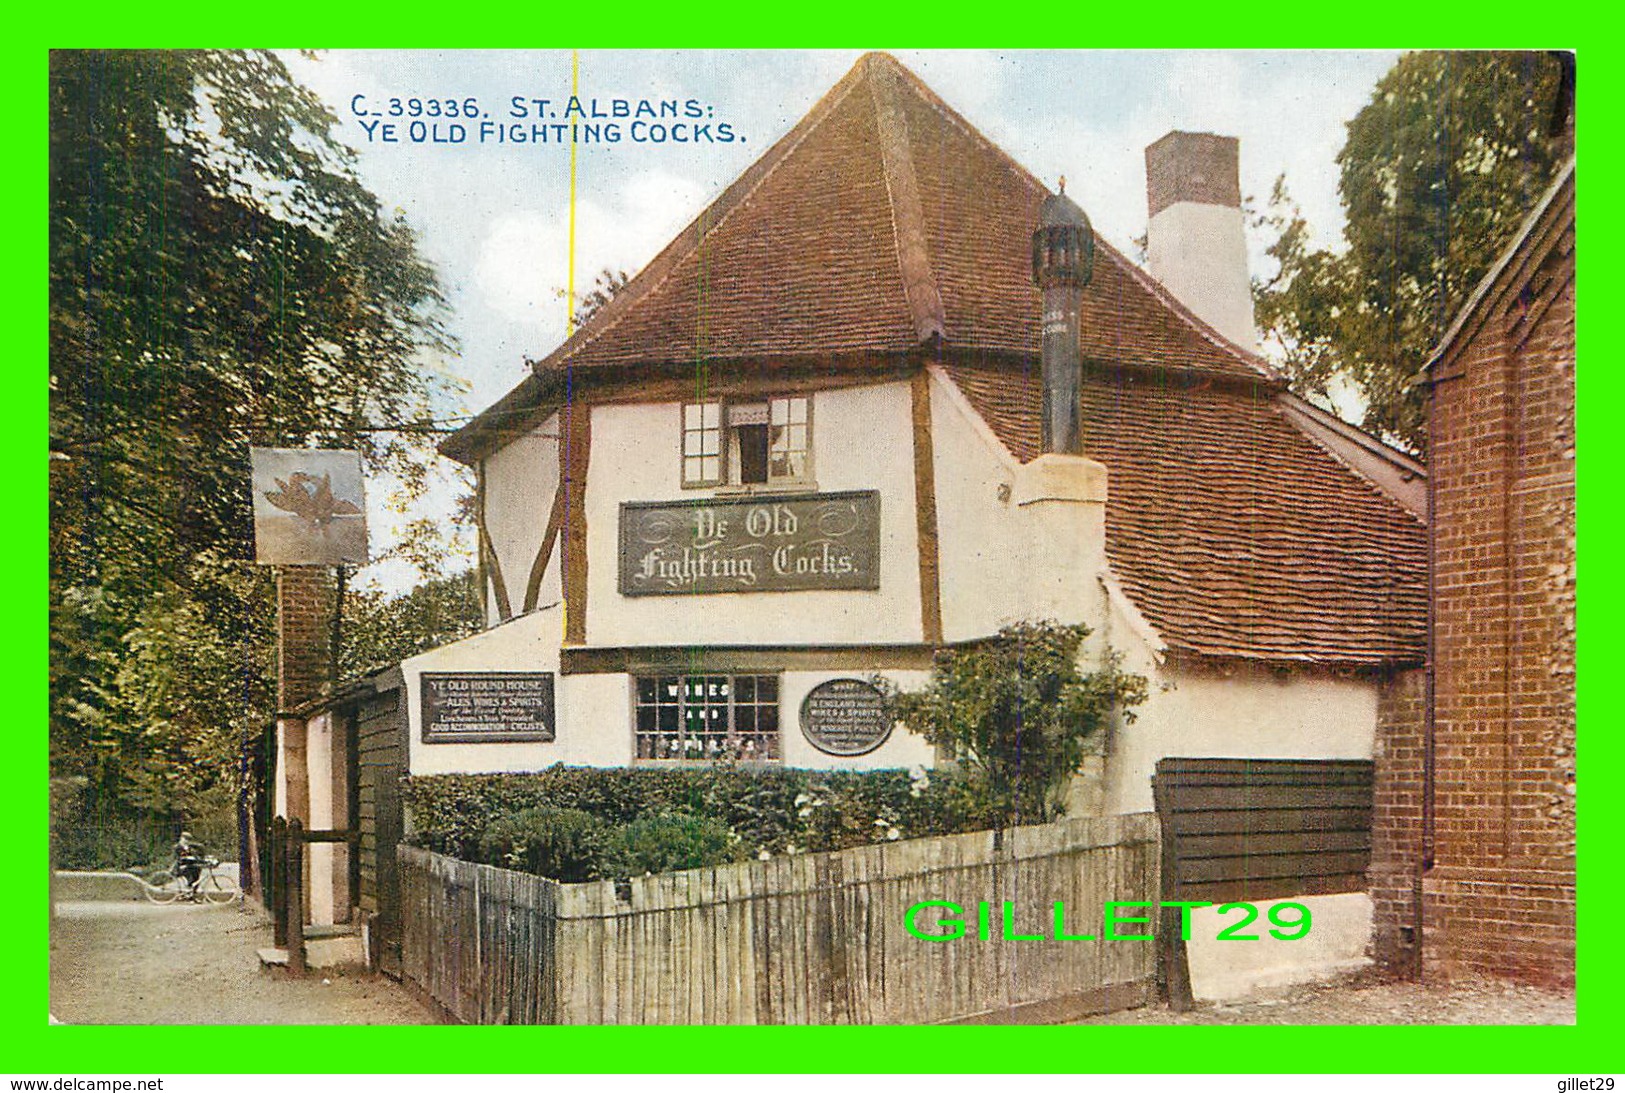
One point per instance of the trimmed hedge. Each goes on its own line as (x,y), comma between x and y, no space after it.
(613,822)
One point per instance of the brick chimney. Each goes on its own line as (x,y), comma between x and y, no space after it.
(1195,241)
(304,650)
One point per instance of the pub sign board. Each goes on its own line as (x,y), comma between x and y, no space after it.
(845,717)
(310,507)
(487,707)
(826,541)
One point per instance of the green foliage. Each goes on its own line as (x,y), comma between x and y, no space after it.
(563,843)
(1018,714)
(219,278)
(605,287)
(379,630)
(664,842)
(1438,171)
(706,815)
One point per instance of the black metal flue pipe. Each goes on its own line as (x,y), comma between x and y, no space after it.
(1063,262)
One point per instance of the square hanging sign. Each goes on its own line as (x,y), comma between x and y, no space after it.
(310,507)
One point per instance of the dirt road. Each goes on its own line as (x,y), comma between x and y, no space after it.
(1463,1002)
(141,964)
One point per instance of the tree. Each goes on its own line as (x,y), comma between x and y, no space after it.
(604,288)
(380,630)
(219,277)
(1438,171)
(1017,713)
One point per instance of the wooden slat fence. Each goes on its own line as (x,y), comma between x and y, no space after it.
(1252,829)
(806,939)
(1256,829)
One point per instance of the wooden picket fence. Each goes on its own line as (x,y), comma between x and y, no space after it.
(805,939)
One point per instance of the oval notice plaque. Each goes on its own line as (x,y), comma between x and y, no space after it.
(845,717)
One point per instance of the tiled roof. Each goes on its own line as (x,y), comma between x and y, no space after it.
(883,221)
(1232,532)
(884,225)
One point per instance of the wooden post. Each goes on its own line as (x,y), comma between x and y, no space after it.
(1173,958)
(276,892)
(295,902)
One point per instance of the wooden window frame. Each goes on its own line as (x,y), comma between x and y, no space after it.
(721,429)
(734,753)
(728,464)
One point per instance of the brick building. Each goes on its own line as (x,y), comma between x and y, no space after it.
(1475,813)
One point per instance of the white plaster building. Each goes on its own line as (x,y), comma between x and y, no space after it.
(854,324)
(806,444)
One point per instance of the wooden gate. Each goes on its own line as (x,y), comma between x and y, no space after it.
(1256,829)
(380,724)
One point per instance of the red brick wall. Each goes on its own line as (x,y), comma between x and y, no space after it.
(1396,824)
(305,596)
(1500,895)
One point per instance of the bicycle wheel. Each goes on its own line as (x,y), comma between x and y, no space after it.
(217,889)
(163,887)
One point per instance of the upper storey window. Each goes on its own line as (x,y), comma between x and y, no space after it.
(747,443)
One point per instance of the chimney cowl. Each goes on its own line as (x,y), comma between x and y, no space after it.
(1063,243)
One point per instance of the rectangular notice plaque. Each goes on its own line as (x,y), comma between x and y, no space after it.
(751,544)
(481,707)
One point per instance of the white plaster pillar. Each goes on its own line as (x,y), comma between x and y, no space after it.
(1061,500)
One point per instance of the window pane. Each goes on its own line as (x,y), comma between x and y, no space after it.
(710,468)
(767,689)
(710,442)
(691,416)
(745,688)
(781,411)
(712,418)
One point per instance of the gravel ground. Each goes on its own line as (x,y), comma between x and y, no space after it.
(185,964)
(1463,1002)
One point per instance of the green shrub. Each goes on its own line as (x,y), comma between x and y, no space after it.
(565,844)
(772,810)
(1018,714)
(662,843)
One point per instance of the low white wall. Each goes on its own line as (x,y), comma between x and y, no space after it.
(1339,934)
(1247,714)
(594,712)
(529,643)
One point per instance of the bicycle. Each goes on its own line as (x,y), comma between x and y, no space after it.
(170,886)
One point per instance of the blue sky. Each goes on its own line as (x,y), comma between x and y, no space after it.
(494,217)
